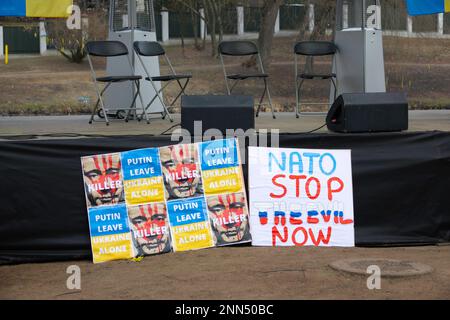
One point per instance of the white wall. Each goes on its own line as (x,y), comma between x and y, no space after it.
(42,38)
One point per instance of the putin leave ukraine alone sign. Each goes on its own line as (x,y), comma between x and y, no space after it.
(155,200)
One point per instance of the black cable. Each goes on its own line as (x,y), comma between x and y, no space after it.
(79,135)
(165,132)
(314,130)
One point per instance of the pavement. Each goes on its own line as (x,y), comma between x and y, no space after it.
(77,125)
(234,273)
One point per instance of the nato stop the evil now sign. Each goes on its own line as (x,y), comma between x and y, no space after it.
(301,197)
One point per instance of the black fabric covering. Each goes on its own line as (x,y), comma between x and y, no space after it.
(401,185)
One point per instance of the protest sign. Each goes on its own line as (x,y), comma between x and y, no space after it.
(301,197)
(110,233)
(225,191)
(108,218)
(142,176)
(180,197)
(189,224)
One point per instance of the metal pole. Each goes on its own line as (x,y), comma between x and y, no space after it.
(111,15)
(132,14)
(363,16)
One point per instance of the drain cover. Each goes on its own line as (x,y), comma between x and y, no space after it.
(388,267)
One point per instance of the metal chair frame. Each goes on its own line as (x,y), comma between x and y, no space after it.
(308,73)
(262,74)
(100,101)
(149,78)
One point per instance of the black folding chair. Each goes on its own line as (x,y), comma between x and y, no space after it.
(311,49)
(154,49)
(244,48)
(112,49)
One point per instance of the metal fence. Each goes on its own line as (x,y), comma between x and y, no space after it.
(292,17)
(22,40)
(295,17)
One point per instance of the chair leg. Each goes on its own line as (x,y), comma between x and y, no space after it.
(158,95)
(148,106)
(100,102)
(166,110)
(94,111)
(183,87)
(182,91)
(105,113)
(260,101)
(299,88)
(233,86)
(133,103)
(270,98)
(297,115)
(147,119)
(99,94)
(227,84)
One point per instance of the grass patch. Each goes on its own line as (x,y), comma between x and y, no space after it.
(430,104)
(42,109)
(38,109)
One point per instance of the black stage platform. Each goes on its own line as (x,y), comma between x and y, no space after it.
(401,188)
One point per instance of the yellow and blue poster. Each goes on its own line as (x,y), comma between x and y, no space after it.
(189,224)
(143,181)
(155,200)
(110,233)
(422,7)
(35,8)
(220,167)
(225,191)
(181,170)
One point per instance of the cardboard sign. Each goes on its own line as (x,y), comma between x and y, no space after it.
(180,197)
(225,191)
(108,218)
(301,197)
(142,176)
(189,224)
(110,233)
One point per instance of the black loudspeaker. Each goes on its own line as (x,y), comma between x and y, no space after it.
(217,112)
(368,112)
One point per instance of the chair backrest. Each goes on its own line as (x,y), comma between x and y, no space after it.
(148,48)
(315,48)
(106,48)
(238,48)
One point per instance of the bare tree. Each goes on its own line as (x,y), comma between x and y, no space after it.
(324,18)
(269,16)
(213,16)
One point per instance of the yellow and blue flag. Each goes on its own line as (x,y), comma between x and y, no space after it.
(35,8)
(420,7)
